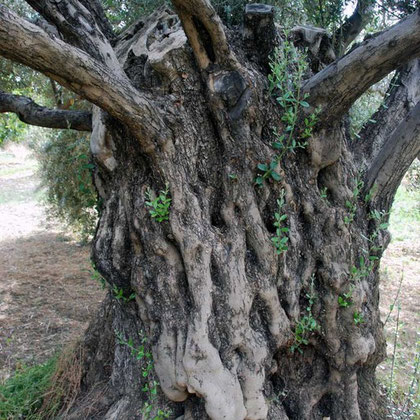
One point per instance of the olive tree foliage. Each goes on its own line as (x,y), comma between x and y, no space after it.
(241,227)
(66,174)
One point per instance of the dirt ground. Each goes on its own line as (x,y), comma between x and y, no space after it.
(47,295)
(401,263)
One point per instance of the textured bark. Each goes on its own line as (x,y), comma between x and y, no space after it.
(31,113)
(402,96)
(393,136)
(218,305)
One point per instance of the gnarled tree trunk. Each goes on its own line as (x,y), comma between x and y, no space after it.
(182,102)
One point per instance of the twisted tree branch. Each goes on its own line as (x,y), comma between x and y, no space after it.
(336,87)
(31,113)
(205,32)
(26,43)
(82,24)
(394,159)
(402,96)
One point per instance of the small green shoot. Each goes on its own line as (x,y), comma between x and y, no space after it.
(267,171)
(323,193)
(288,66)
(280,239)
(95,275)
(119,294)
(159,206)
(379,217)
(150,386)
(358,318)
(370,194)
(345,300)
(351,204)
(307,324)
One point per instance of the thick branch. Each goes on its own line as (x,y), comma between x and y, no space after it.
(205,33)
(82,23)
(28,44)
(96,9)
(394,159)
(31,113)
(352,26)
(336,87)
(402,96)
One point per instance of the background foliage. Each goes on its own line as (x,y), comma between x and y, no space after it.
(65,170)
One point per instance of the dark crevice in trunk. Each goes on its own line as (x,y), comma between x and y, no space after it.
(205,39)
(324,406)
(216,203)
(259,318)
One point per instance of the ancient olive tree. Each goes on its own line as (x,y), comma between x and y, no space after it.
(241,229)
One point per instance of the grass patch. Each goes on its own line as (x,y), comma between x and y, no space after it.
(44,391)
(22,395)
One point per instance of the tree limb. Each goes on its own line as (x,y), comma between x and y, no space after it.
(26,43)
(394,159)
(96,9)
(82,24)
(336,87)
(402,96)
(31,113)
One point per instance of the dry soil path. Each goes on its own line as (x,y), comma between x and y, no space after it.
(47,294)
